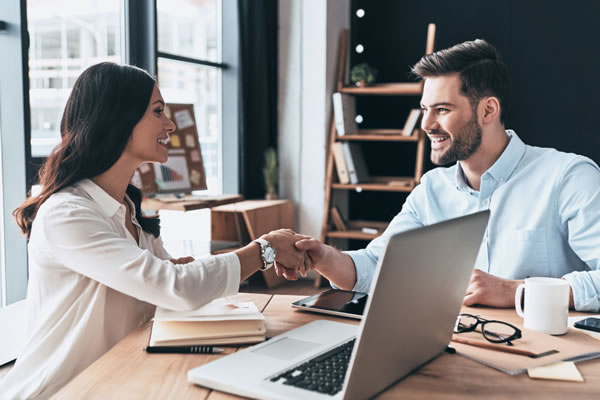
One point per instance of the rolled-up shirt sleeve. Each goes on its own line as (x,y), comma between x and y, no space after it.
(365,260)
(579,215)
(84,242)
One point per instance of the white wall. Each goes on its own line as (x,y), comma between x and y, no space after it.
(309,32)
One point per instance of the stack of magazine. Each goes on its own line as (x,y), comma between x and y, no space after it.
(220,322)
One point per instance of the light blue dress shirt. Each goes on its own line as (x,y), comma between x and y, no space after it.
(544,218)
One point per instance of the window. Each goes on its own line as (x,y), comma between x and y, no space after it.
(67,36)
(189,71)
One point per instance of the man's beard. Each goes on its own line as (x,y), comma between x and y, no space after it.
(464,145)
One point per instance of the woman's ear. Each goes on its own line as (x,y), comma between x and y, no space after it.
(489,110)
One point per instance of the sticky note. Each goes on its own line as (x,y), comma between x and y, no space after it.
(175,142)
(189,141)
(195,155)
(183,119)
(195,177)
(560,371)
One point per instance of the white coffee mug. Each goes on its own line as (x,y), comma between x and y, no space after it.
(546,304)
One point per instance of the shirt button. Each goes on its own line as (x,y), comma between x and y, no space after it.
(485,203)
(502,179)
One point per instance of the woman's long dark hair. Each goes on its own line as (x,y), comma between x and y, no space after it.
(106,103)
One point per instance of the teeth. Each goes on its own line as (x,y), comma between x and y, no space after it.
(163,141)
(439,139)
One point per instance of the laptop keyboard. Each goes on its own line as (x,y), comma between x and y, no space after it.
(323,374)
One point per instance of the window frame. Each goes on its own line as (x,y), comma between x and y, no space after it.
(14,133)
(139,25)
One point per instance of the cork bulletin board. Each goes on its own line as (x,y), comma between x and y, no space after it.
(184,171)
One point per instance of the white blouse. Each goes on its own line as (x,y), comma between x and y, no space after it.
(91,284)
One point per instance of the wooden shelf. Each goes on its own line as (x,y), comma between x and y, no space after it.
(380,184)
(376,187)
(352,234)
(390,89)
(379,135)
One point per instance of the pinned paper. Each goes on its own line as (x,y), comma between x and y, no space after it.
(195,177)
(560,371)
(145,168)
(195,155)
(175,142)
(183,119)
(189,141)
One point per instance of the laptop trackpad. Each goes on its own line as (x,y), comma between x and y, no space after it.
(286,348)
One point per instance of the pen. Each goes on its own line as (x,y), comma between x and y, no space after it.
(496,347)
(185,349)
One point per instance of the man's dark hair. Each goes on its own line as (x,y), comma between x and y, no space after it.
(482,72)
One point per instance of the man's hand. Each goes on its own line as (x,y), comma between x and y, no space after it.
(313,251)
(489,290)
(289,261)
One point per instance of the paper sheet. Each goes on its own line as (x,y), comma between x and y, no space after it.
(560,371)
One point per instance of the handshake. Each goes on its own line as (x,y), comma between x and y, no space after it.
(295,254)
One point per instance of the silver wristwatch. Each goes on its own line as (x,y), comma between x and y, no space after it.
(267,254)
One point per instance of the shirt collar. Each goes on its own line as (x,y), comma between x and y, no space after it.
(504,166)
(107,203)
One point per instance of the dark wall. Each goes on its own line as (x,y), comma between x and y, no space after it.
(550,47)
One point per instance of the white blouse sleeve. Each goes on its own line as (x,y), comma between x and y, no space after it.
(83,240)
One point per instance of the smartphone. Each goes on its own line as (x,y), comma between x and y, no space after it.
(591,324)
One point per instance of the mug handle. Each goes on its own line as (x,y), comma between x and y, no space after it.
(518,296)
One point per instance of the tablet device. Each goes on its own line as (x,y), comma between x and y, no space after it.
(343,303)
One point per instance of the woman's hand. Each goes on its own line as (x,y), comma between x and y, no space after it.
(182,260)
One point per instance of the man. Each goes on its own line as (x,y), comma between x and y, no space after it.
(545,205)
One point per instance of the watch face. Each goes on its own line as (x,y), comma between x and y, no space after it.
(269,254)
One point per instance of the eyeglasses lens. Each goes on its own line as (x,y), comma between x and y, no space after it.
(498,331)
(465,323)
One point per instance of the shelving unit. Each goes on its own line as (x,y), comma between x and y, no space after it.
(385,184)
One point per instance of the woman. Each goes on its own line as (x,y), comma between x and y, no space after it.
(97,266)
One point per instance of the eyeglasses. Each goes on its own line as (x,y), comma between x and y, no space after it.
(494,331)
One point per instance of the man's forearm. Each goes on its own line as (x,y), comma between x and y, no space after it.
(338,268)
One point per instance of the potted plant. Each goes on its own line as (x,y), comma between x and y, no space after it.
(363,74)
(271,174)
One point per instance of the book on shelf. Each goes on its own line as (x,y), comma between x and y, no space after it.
(411,122)
(344,113)
(219,322)
(357,168)
(336,217)
(340,162)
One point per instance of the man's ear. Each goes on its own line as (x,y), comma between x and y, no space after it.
(489,109)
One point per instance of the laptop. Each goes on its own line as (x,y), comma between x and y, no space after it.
(415,296)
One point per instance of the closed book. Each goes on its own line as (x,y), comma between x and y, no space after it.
(344,112)
(357,168)
(411,122)
(340,162)
(218,322)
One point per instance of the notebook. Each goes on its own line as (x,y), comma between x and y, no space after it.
(416,294)
(218,322)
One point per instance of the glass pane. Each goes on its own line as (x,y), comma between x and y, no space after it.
(498,330)
(190,28)
(66,37)
(188,83)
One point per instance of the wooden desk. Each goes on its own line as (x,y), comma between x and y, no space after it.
(127,372)
(188,202)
